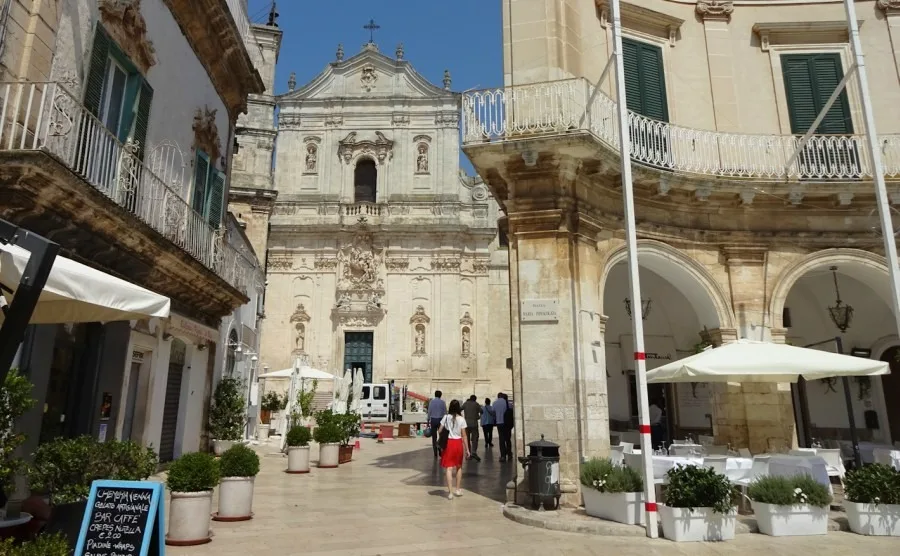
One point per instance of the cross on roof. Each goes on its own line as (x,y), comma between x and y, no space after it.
(371,27)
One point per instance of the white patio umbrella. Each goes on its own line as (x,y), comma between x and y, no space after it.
(305,373)
(78,293)
(357,391)
(345,393)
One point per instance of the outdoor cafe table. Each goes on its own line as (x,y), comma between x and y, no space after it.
(736,468)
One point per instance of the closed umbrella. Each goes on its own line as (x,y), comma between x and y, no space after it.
(357,391)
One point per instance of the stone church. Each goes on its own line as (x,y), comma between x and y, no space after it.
(382,254)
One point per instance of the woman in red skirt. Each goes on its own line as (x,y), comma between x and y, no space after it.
(457,447)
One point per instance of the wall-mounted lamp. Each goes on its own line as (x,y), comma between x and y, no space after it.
(201,347)
(166,336)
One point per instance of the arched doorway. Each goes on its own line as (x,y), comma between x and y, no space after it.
(365,181)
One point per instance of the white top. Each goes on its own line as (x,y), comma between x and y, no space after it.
(655,414)
(454,424)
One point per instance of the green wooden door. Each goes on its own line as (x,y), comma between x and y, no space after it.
(358,348)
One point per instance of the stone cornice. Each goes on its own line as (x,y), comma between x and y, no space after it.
(633,16)
(256,198)
(125,23)
(715,9)
(212,33)
(889,7)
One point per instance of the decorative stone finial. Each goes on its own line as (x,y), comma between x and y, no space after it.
(715,9)
(340,53)
(447,80)
(399,51)
(292,81)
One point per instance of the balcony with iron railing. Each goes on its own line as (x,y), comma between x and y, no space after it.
(558,108)
(47,118)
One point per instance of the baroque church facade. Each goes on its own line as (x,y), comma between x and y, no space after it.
(382,254)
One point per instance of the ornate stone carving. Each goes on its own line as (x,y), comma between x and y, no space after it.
(715,9)
(889,7)
(399,120)
(125,24)
(292,81)
(361,263)
(422,158)
(419,316)
(419,320)
(445,263)
(325,263)
(466,340)
(368,78)
(339,55)
(381,147)
(290,120)
(479,192)
(299,320)
(447,80)
(280,263)
(360,321)
(312,152)
(334,120)
(206,133)
(396,263)
(446,119)
(466,319)
(399,51)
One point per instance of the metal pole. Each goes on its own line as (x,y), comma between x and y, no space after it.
(848,399)
(884,209)
(587,107)
(634,280)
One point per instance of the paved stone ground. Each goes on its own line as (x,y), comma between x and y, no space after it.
(389,501)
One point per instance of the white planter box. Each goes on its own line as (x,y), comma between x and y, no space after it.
(790,521)
(329,455)
(298,459)
(189,515)
(874,519)
(622,507)
(701,524)
(262,432)
(235,499)
(219,446)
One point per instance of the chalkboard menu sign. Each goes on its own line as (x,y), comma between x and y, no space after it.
(122,518)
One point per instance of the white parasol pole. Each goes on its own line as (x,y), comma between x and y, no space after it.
(635,283)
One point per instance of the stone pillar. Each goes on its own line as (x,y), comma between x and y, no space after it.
(719,47)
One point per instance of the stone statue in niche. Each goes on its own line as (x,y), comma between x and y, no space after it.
(466,341)
(300,339)
(311,156)
(420,339)
(422,159)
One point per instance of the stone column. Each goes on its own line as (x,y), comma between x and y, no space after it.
(716,15)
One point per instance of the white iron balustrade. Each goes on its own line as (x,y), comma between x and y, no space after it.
(557,107)
(45,116)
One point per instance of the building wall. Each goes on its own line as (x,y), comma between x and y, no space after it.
(29,39)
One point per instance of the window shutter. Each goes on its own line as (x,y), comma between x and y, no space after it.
(216,198)
(645,79)
(93,93)
(201,173)
(809,79)
(142,117)
(632,66)
(827,74)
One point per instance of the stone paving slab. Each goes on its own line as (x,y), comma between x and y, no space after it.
(389,501)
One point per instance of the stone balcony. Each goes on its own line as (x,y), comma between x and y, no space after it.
(64,176)
(396,215)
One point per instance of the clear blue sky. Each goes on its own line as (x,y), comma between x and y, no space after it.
(464,36)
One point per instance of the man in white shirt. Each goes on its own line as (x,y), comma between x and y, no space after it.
(657,430)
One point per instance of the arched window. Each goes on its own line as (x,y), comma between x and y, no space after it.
(230,353)
(365,178)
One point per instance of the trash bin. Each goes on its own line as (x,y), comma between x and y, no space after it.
(542,474)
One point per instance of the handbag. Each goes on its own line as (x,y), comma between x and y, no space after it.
(444,436)
(427,433)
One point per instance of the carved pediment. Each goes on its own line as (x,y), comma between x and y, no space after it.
(124,22)
(206,133)
(419,317)
(300,314)
(361,264)
(466,319)
(378,146)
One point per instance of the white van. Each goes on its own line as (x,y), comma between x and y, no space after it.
(374,403)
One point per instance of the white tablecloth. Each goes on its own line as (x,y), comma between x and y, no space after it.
(866,450)
(735,468)
(887,456)
(789,466)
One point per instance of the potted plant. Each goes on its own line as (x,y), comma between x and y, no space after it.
(298,449)
(790,506)
(271,402)
(349,424)
(612,492)
(42,545)
(328,435)
(227,415)
(872,500)
(65,468)
(15,400)
(238,468)
(699,505)
(303,408)
(191,480)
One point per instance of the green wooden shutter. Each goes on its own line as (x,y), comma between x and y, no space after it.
(93,93)
(201,174)
(216,198)
(142,117)
(809,79)
(645,79)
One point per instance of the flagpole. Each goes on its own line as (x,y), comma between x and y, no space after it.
(881,197)
(637,313)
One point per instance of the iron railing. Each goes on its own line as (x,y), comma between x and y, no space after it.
(559,107)
(45,116)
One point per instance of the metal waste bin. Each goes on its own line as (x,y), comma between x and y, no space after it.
(542,470)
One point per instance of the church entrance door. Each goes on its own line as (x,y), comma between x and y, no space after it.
(358,352)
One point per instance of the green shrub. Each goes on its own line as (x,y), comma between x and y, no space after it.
(325,417)
(239,461)
(789,491)
(271,401)
(873,484)
(298,436)
(194,472)
(15,400)
(692,486)
(604,476)
(43,545)
(349,424)
(328,433)
(227,415)
(127,461)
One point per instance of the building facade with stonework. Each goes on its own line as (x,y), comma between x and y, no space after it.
(737,238)
(382,255)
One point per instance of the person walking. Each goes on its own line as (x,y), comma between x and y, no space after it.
(437,408)
(487,424)
(508,425)
(472,412)
(456,449)
(500,406)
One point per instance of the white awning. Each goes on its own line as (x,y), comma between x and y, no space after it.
(77,293)
(749,361)
(305,372)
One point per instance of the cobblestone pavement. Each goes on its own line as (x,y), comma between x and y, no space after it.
(389,501)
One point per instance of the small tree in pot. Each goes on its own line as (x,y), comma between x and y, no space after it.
(790,506)
(298,449)
(699,505)
(227,416)
(350,425)
(238,467)
(191,480)
(271,402)
(872,500)
(328,435)
(15,400)
(612,492)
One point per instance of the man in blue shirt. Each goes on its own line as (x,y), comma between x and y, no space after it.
(500,406)
(437,408)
